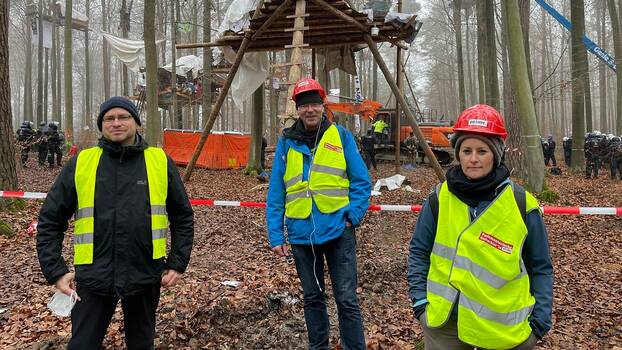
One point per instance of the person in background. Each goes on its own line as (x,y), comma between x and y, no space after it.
(369,153)
(25,137)
(479,269)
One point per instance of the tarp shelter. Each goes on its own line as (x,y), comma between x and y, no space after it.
(221,151)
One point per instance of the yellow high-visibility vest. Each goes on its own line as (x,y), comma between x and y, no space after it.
(328,184)
(479,266)
(85,178)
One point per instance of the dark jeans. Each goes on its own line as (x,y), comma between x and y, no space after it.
(370,159)
(340,255)
(91,317)
(616,167)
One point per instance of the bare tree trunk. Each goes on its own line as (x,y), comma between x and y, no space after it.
(8,173)
(459,58)
(602,73)
(174,106)
(617,46)
(59,80)
(68,71)
(207,63)
(105,55)
(46,74)
(578,92)
(515,157)
(88,101)
(39,115)
(151,60)
(254,160)
(492,81)
(28,114)
(524,98)
(481,51)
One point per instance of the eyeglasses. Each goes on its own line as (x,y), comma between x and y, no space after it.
(310,106)
(109,119)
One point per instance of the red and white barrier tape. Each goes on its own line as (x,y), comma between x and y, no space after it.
(375,207)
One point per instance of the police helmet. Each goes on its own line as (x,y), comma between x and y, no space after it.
(26,124)
(566,138)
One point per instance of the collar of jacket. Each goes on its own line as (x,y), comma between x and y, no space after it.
(115,148)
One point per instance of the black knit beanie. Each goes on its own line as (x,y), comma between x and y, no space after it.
(308,97)
(117,101)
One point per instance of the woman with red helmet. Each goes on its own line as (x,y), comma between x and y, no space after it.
(479,269)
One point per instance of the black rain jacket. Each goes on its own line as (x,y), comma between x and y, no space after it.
(122,253)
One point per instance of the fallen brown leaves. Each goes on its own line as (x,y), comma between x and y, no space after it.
(265,310)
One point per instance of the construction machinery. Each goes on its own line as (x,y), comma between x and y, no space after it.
(437,134)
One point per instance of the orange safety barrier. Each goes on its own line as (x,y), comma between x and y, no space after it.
(221,151)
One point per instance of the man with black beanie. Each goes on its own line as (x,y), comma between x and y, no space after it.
(123,194)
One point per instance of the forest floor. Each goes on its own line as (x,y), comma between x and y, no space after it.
(265,310)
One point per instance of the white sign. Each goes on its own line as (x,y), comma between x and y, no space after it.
(358,95)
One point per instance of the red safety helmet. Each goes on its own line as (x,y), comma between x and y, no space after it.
(308,84)
(481,119)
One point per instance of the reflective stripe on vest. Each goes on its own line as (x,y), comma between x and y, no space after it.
(479,265)
(85,178)
(328,184)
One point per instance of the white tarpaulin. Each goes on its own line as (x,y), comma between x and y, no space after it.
(74,14)
(237,16)
(47,28)
(128,51)
(185,64)
(255,66)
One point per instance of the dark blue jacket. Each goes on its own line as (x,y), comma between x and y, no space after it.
(535,256)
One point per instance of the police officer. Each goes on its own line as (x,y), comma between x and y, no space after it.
(369,153)
(54,145)
(549,152)
(42,142)
(592,155)
(25,136)
(567,144)
(615,154)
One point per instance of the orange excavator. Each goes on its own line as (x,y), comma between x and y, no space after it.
(437,134)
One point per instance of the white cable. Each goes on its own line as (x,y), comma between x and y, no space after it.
(312,218)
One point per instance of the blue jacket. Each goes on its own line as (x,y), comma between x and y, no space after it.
(535,256)
(318,227)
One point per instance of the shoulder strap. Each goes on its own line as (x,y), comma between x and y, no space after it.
(521,200)
(434,201)
(519,196)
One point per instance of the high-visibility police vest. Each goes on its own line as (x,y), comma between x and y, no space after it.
(479,265)
(328,184)
(85,177)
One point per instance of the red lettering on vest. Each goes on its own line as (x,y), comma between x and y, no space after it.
(502,246)
(332,147)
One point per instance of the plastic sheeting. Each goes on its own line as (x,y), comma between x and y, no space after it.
(128,51)
(221,151)
(255,66)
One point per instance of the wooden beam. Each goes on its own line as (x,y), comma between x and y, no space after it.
(272,18)
(221,98)
(295,71)
(402,101)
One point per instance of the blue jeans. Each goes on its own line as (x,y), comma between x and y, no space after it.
(340,255)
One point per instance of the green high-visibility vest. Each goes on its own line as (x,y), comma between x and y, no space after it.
(379,126)
(479,265)
(328,185)
(85,178)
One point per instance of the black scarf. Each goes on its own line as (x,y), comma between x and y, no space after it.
(472,192)
(309,137)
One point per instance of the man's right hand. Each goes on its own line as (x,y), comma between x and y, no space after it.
(281,250)
(66,285)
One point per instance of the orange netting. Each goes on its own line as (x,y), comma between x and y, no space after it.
(221,151)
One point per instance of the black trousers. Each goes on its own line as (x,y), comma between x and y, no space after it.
(91,317)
